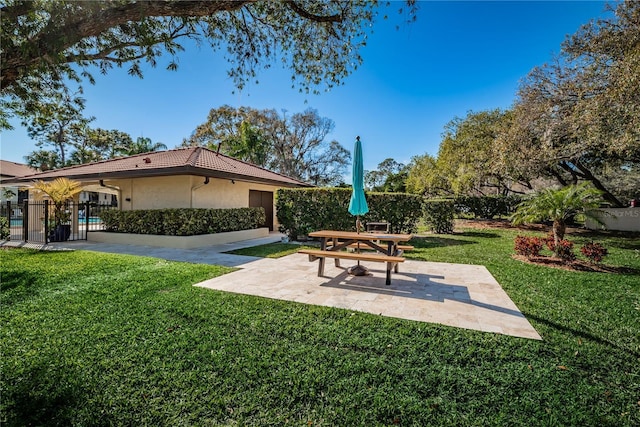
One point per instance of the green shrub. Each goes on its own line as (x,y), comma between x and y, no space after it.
(438,215)
(486,207)
(4,228)
(302,210)
(182,222)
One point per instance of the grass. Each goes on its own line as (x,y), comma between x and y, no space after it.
(97,339)
(271,250)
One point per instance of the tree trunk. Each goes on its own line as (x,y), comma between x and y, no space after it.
(559,228)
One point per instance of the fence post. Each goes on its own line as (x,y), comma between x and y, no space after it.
(9,218)
(86,220)
(46,221)
(25,221)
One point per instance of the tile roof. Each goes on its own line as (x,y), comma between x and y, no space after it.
(198,161)
(12,169)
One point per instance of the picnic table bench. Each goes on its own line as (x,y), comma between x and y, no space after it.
(332,243)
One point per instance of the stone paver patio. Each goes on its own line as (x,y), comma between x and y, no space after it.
(464,296)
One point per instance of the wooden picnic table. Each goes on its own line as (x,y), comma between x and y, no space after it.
(385,245)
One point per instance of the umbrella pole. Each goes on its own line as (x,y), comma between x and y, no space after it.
(358,270)
(358,224)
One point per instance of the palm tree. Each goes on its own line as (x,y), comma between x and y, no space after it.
(143,145)
(59,191)
(558,205)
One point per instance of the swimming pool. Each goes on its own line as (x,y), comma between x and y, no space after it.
(17,222)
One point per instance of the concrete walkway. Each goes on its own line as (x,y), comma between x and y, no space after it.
(458,295)
(210,255)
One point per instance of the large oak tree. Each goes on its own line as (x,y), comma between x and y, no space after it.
(577,118)
(46,44)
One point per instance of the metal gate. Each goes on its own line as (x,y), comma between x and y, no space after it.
(34,221)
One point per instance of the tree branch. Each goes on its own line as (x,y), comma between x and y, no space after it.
(589,176)
(55,39)
(12,12)
(313,17)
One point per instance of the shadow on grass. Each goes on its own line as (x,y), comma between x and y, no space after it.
(629,244)
(44,396)
(18,286)
(481,234)
(581,334)
(436,241)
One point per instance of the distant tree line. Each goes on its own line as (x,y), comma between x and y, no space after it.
(295,145)
(65,138)
(575,119)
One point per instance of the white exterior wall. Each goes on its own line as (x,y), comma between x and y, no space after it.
(619,219)
(185,191)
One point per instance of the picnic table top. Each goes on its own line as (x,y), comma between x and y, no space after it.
(352,235)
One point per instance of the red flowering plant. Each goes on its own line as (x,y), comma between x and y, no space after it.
(564,250)
(528,246)
(595,252)
(550,242)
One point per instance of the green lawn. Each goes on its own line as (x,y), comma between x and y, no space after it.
(272,250)
(98,339)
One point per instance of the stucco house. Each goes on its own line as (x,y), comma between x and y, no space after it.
(193,177)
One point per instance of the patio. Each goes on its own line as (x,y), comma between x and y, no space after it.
(458,295)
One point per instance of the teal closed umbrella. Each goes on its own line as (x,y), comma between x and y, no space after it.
(358,204)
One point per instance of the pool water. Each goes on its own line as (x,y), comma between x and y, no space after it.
(92,220)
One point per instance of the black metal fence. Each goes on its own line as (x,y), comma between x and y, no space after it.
(35,221)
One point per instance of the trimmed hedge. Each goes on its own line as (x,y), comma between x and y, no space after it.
(486,207)
(182,222)
(303,210)
(438,215)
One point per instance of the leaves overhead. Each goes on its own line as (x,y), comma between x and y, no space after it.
(63,41)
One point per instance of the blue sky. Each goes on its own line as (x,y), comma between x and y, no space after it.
(457,57)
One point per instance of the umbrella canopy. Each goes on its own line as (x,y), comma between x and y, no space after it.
(358,204)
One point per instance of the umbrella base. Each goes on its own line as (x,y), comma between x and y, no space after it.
(358,270)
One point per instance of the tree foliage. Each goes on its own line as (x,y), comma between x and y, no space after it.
(51,43)
(295,145)
(424,178)
(467,161)
(466,157)
(79,143)
(141,145)
(610,49)
(390,176)
(57,121)
(577,117)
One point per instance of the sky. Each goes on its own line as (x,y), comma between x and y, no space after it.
(456,58)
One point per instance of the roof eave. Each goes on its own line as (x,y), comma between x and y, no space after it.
(147,173)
